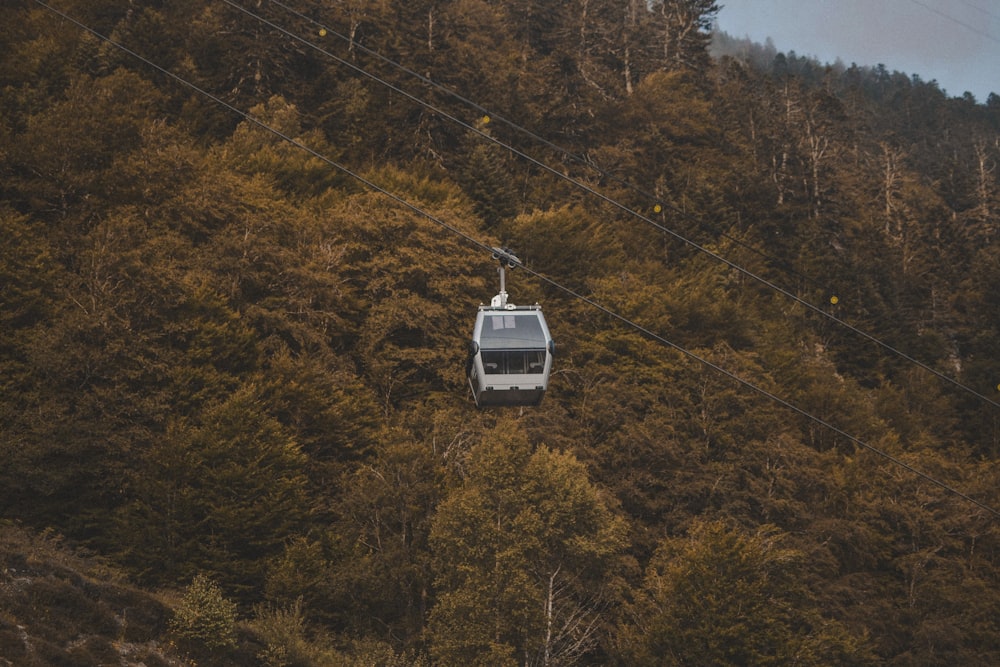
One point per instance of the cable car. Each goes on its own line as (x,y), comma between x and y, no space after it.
(510,356)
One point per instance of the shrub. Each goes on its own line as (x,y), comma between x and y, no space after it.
(204,617)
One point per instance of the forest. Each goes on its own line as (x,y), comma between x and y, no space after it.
(244,243)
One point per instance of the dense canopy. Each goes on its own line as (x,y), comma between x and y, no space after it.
(243,254)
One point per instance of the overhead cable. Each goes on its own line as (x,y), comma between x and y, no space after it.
(949,17)
(616,204)
(495,117)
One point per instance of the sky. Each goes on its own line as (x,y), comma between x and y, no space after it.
(953,42)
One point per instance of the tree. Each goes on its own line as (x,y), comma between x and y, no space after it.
(684,31)
(28,276)
(60,160)
(205,619)
(722,596)
(523,552)
(379,580)
(411,278)
(220,493)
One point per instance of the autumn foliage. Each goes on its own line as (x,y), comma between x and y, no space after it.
(243,247)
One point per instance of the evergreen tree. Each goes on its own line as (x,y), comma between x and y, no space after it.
(221,494)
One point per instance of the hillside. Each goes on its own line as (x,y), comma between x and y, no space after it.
(57,608)
(244,248)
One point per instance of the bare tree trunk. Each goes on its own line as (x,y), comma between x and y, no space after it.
(549,602)
(430,29)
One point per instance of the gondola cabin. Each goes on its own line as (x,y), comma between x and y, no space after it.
(511,356)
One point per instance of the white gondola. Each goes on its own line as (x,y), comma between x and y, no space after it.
(511,350)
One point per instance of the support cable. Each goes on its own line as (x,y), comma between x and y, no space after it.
(621,207)
(566,153)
